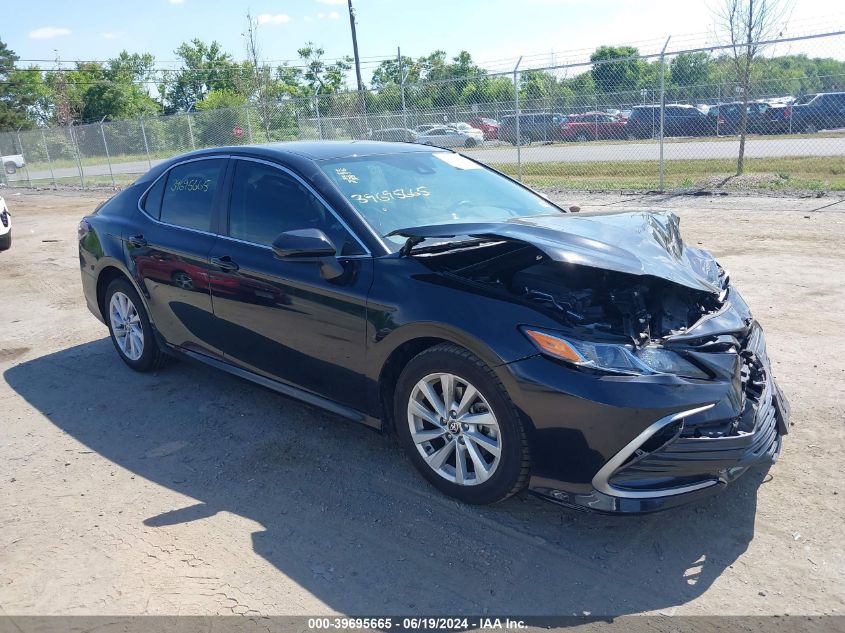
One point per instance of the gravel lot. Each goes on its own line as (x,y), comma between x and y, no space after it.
(192,492)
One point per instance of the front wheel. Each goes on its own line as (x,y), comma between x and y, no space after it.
(458,425)
(11,168)
(130,329)
(6,241)
(470,142)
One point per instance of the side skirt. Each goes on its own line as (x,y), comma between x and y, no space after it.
(283,388)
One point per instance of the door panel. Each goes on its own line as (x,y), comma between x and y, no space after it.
(170,263)
(282,318)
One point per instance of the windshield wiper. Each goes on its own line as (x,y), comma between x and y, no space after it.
(440,245)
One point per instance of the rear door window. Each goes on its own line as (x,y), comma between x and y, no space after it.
(189,193)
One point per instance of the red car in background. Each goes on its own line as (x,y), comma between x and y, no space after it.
(490,127)
(592,126)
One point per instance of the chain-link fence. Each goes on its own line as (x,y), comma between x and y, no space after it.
(663,121)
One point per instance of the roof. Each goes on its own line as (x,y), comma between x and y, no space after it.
(323,150)
(316,150)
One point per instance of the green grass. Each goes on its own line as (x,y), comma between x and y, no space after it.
(788,173)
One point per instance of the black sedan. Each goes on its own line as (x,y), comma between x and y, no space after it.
(593,358)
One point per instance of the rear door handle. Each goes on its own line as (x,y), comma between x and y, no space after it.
(137,241)
(225,263)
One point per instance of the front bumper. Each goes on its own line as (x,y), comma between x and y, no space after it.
(642,444)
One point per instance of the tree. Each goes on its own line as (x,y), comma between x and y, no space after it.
(616,76)
(18,92)
(689,69)
(329,78)
(205,67)
(746,24)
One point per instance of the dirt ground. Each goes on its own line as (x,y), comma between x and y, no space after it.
(189,491)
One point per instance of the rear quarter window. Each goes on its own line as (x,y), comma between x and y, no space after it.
(188,198)
(151,203)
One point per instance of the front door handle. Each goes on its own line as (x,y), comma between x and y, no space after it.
(137,241)
(225,263)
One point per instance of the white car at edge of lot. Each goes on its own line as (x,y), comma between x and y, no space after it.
(12,163)
(5,226)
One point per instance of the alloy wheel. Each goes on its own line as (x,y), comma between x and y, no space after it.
(126,326)
(454,429)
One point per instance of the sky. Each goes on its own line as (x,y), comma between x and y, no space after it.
(495,32)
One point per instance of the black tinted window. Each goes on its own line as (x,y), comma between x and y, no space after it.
(267,201)
(189,193)
(152,201)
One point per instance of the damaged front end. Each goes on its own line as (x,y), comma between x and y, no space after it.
(631,305)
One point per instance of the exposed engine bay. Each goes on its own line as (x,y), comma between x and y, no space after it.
(641,308)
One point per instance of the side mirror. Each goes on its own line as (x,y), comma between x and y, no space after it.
(311,243)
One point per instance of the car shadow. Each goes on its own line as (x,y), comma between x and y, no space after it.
(345,515)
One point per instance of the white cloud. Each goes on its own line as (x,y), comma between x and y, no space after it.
(112,35)
(269,18)
(320,16)
(176,1)
(334,15)
(332,2)
(47,32)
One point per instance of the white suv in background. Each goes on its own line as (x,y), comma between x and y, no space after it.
(5,226)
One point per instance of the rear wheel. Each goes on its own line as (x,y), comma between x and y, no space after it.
(459,427)
(581,138)
(6,241)
(11,168)
(130,329)
(470,142)
(810,128)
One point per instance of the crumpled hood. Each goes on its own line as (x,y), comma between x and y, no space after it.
(633,242)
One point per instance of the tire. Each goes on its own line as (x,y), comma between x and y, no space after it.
(581,138)
(508,473)
(470,142)
(11,168)
(152,356)
(810,128)
(6,241)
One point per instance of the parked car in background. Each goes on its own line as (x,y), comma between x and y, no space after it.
(421,129)
(395,134)
(727,117)
(465,127)
(5,226)
(678,120)
(12,163)
(592,126)
(814,112)
(488,127)
(533,127)
(451,137)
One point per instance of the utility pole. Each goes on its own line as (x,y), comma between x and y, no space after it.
(355,47)
(362,104)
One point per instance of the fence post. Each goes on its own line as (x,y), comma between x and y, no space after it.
(49,161)
(516,104)
(76,152)
(191,131)
(402,87)
(25,168)
(662,111)
(248,124)
(317,106)
(106,147)
(146,145)
(718,105)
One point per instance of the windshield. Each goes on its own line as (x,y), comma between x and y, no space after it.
(396,191)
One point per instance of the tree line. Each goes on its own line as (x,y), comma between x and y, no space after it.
(130,85)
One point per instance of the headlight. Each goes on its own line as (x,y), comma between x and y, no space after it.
(620,359)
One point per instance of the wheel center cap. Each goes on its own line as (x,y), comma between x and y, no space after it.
(454,427)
